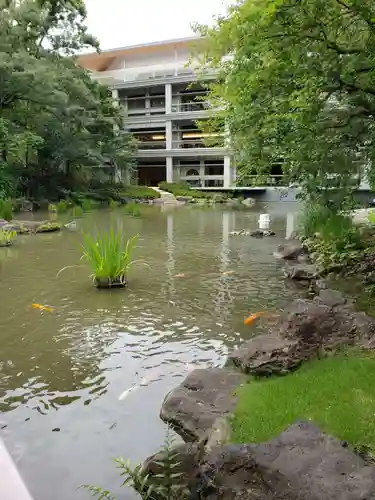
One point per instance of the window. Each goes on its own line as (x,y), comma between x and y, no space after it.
(191,172)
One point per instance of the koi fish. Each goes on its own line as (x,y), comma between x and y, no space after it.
(250,320)
(181,275)
(227,273)
(43,308)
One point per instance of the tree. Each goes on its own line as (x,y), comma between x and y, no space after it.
(58,128)
(299,84)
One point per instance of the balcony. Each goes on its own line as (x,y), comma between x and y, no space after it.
(168,73)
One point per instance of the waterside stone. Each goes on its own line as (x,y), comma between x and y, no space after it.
(197,407)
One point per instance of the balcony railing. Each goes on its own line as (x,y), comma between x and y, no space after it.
(151,145)
(193,143)
(269,180)
(188,107)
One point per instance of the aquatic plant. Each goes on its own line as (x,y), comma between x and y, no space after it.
(48,227)
(168,484)
(62,207)
(112,204)
(52,207)
(133,209)
(77,211)
(109,254)
(6,237)
(86,205)
(6,210)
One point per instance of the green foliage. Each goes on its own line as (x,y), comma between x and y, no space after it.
(52,207)
(297,89)
(109,254)
(77,211)
(59,129)
(112,204)
(139,192)
(7,237)
(169,484)
(62,207)
(183,189)
(331,237)
(86,205)
(336,393)
(371,217)
(6,210)
(133,209)
(49,227)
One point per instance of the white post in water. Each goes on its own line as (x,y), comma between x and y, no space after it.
(264,222)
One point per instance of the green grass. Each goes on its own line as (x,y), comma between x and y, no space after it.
(336,393)
(109,254)
(62,207)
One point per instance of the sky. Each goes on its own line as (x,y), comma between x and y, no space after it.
(118,23)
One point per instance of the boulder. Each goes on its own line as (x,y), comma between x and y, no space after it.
(184,459)
(259,233)
(289,251)
(267,355)
(301,272)
(301,463)
(198,407)
(308,329)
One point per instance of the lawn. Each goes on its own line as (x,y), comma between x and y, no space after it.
(336,393)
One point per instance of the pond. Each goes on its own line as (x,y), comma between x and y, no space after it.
(62,372)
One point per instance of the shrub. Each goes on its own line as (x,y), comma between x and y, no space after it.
(112,204)
(6,237)
(109,254)
(52,208)
(6,210)
(139,192)
(334,238)
(169,484)
(86,205)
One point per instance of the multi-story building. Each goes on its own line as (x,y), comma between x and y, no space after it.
(163,101)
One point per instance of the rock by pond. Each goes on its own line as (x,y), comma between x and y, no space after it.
(306,330)
(198,405)
(29,227)
(290,251)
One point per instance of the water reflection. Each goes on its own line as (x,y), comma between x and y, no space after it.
(66,370)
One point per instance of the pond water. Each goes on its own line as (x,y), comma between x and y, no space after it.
(62,372)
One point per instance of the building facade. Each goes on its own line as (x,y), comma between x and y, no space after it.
(158,89)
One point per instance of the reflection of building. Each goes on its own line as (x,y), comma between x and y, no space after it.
(163,102)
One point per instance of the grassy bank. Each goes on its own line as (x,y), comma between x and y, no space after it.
(336,393)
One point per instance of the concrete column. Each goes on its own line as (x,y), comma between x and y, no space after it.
(227,172)
(202,173)
(290,224)
(168,134)
(234,175)
(168,98)
(115,95)
(169,167)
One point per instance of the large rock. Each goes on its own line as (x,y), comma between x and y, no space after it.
(306,330)
(290,251)
(301,272)
(301,463)
(197,408)
(266,355)
(31,226)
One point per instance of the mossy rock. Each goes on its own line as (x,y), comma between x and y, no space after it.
(48,227)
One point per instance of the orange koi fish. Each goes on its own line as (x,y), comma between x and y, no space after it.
(43,308)
(181,275)
(250,320)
